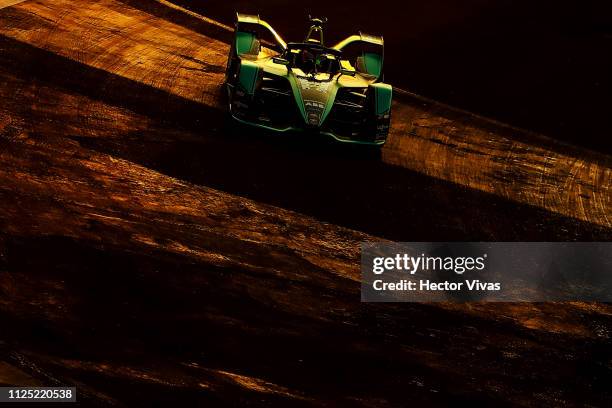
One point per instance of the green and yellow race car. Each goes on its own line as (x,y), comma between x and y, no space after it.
(336,91)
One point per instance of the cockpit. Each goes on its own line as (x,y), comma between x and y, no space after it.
(313,58)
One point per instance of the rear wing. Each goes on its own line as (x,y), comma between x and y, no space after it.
(372,47)
(361,37)
(249,23)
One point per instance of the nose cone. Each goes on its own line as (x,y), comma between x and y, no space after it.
(314,96)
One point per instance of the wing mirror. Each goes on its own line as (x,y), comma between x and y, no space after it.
(279,60)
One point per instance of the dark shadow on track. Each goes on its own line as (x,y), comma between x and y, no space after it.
(343,185)
(174,316)
(156,310)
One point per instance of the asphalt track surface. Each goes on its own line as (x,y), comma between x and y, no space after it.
(151,252)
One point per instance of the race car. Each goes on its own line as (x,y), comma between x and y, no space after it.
(306,86)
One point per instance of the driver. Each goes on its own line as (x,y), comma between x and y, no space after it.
(324,63)
(308,61)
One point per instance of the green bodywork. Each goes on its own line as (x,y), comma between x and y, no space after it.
(373,64)
(383,99)
(246,43)
(248,74)
(318,89)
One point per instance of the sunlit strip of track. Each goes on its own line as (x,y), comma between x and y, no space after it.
(481,154)
(194,14)
(426,137)
(8,3)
